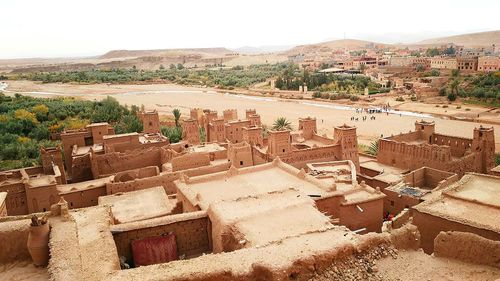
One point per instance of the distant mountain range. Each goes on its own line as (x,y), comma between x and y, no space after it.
(153,59)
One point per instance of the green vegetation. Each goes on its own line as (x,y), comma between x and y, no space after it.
(497,159)
(432,52)
(282,124)
(372,149)
(291,78)
(226,78)
(26,123)
(483,89)
(174,134)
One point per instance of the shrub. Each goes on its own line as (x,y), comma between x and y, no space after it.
(400,99)
(452,96)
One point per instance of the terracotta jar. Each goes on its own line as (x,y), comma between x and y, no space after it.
(38,244)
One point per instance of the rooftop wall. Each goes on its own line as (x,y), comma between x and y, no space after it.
(191,231)
(13,240)
(467,247)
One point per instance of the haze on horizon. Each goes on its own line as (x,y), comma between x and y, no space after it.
(59,28)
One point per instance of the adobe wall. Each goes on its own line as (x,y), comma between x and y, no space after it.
(191,231)
(467,247)
(39,199)
(394,204)
(407,137)
(411,157)
(329,205)
(322,139)
(371,218)
(373,182)
(458,145)
(15,202)
(13,240)
(81,168)
(114,162)
(299,262)
(166,180)
(430,226)
(299,158)
(189,161)
(83,198)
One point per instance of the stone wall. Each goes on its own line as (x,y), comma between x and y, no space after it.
(191,231)
(467,247)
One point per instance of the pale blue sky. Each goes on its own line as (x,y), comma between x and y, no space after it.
(51,28)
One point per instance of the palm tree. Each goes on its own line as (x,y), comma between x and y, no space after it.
(282,124)
(373,148)
(454,86)
(177,116)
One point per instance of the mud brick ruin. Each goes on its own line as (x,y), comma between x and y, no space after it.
(245,204)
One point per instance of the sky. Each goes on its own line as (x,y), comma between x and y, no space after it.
(67,28)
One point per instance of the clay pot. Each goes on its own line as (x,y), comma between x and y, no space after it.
(38,244)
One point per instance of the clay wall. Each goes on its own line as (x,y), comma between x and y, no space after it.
(136,174)
(230,115)
(467,247)
(329,205)
(39,199)
(216,131)
(191,231)
(121,143)
(13,240)
(394,203)
(308,127)
(240,155)
(407,137)
(429,178)
(83,198)
(371,218)
(458,145)
(300,158)
(191,160)
(234,130)
(81,168)
(191,131)
(279,143)
(400,219)
(16,199)
(70,139)
(250,112)
(254,120)
(115,162)
(150,122)
(407,156)
(324,140)
(253,136)
(165,180)
(430,226)
(259,157)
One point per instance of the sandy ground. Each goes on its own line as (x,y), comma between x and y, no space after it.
(416,265)
(165,97)
(23,271)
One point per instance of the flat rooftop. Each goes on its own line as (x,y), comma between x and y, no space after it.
(473,200)
(209,147)
(480,188)
(290,213)
(138,205)
(251,181)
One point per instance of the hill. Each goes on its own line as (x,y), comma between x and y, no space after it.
(349,44)
(480,39)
